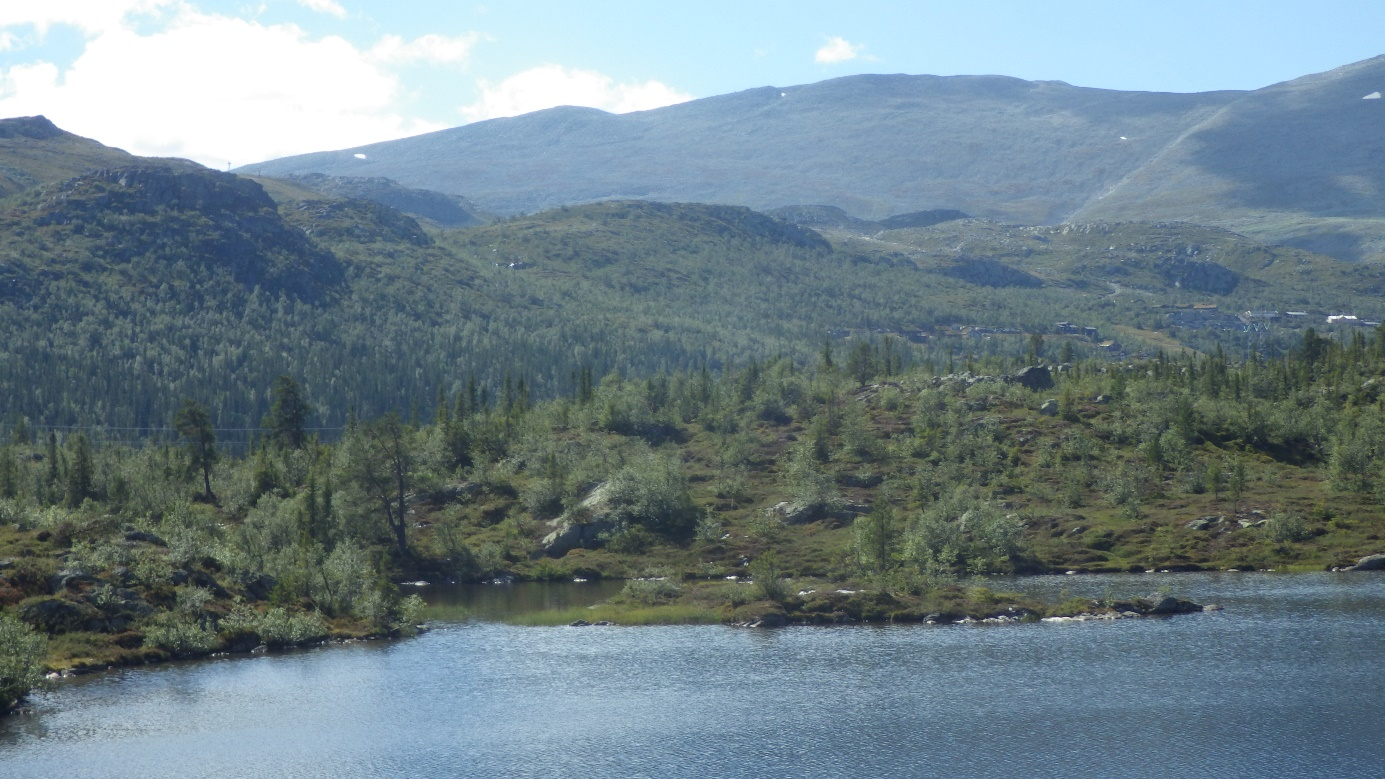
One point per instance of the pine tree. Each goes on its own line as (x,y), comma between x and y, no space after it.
(78,484)
(194,424)
(288,413)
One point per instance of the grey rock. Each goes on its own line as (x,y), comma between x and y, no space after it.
(1375,562)
(1199,524)
(68,579)
(1167,604)
(1034,377)
(796,513)
(1049,408)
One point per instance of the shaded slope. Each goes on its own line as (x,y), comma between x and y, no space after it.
(1301,162)
(143,226)
(444,210)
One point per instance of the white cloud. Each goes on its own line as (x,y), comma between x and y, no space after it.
(547,86)
(90,16)
(213,88)
(837,49)
(330,7)
(432,49)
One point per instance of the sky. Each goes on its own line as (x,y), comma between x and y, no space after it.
(232,82)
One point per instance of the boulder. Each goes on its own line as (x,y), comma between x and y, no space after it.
(1375,562)
(257,586)
(795,513)
(1034,377)
(581,527)
(68,579)
(141,537)
(569,534)
(1049,408)
(1201,523)
(1168,604)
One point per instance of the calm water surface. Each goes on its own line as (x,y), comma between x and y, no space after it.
(1287,681)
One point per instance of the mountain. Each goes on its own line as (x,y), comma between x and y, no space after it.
(872,145)
(1298,162)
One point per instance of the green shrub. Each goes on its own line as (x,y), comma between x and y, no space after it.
(179,634)
(649,592)
(280,627)
(1284,528)
(769,580)
(22,650)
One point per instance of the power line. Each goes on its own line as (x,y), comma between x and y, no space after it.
(174,430)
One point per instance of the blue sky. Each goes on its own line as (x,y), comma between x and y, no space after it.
(234,81)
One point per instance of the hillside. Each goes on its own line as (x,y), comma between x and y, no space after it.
(1295,163)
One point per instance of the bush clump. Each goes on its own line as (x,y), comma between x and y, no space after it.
(22,650)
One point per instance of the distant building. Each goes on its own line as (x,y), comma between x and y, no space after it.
(1341,319)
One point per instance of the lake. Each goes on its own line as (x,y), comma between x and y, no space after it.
(1286,681)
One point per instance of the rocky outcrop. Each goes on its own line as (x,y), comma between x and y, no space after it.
(581,527)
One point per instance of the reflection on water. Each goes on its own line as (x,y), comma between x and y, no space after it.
(1284,682)
(494,601)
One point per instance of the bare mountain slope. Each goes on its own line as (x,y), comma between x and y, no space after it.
(873,145)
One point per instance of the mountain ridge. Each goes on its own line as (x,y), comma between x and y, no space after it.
(1297,162)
